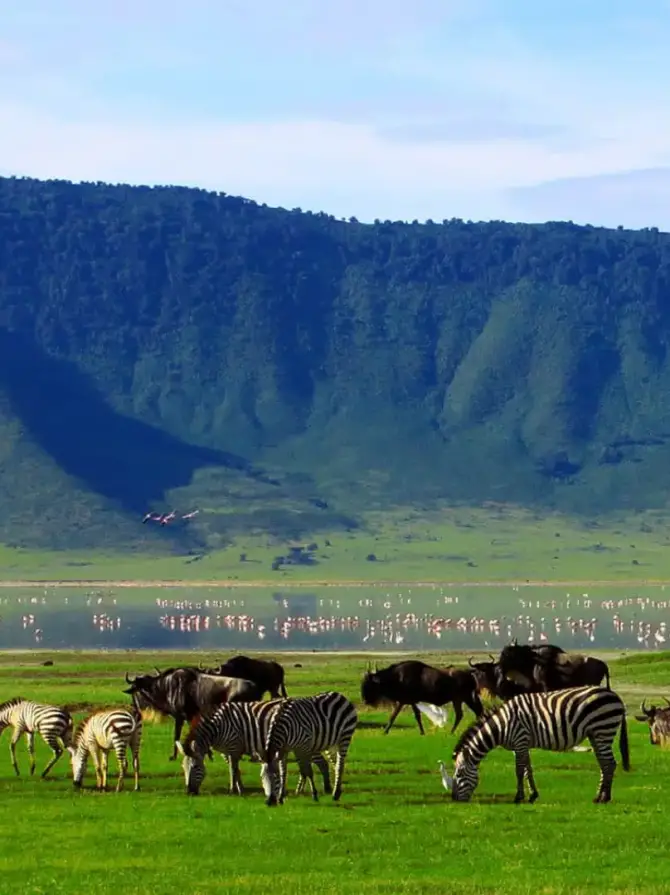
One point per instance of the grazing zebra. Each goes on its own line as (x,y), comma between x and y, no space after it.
(98,734)
(305,726)
(54,725)
(558,721)
(234,729)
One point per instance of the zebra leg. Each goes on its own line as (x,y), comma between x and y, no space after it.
(282,779)
(105,768)
(16,736)
(55,746)
(605,757)
(136,766)
(534,794)
(522,761)
(305,765)
(123,764)
(322,765)
(30,739)
(339,769)
(95,755)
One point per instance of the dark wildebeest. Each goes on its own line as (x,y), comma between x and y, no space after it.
(183,693)
(489,677)
(410,682)
(659,723)
(548,667)
(268,674)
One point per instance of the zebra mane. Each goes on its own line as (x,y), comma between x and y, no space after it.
(79,729)
(472,731)
(10,702)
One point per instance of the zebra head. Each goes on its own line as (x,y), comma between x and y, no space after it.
(78,760)
(466,777)
(193,765)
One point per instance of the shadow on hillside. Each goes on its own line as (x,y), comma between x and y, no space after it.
(118,457)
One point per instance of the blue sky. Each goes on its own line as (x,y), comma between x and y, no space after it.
(511,109)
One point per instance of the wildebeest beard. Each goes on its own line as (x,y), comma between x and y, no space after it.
(371,690)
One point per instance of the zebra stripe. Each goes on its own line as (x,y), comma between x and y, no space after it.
(558,721)
(234,729)
(53,723)
(305,726)
(97,735)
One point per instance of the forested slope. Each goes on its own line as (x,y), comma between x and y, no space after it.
(287,369)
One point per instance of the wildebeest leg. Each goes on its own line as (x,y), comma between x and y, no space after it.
(322,765)
(458,713)
(605,756)
(394,714)
(417,715)
(178,726)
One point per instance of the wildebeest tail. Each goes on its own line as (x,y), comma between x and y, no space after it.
(623,744)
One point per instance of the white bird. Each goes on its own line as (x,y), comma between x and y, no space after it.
(447,781)
(436,714)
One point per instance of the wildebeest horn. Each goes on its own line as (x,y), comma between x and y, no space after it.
(470,662)
(492,658)
(645,710)
(128,680)
(158,671)
(667,700)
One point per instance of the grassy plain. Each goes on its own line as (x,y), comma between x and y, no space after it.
(492,543)
(395,830)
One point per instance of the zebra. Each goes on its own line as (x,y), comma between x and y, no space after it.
(53,723)
(556,720)
(98,734)
(306,725)
(235,729)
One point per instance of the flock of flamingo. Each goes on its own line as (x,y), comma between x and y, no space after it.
(383,620)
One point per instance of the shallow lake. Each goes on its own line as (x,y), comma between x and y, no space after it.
(418,617)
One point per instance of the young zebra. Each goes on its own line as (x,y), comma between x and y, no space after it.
(97,735)
(234,729)
(558,721)
(54,725)
(307,725)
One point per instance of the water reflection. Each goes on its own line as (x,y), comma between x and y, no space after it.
(353,618)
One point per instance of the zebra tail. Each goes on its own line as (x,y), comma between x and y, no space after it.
(623,745)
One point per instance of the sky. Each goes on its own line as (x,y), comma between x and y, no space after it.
(521,110)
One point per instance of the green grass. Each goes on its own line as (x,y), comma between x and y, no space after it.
(395,830)
(493,543)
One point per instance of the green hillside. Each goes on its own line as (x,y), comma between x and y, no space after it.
(286,372)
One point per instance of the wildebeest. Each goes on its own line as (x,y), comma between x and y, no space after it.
(411,682)
(549,667)
(489,677)
(659,723)
(183,693)
(268,674)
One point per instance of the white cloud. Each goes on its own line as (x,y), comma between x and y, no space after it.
(450,112)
